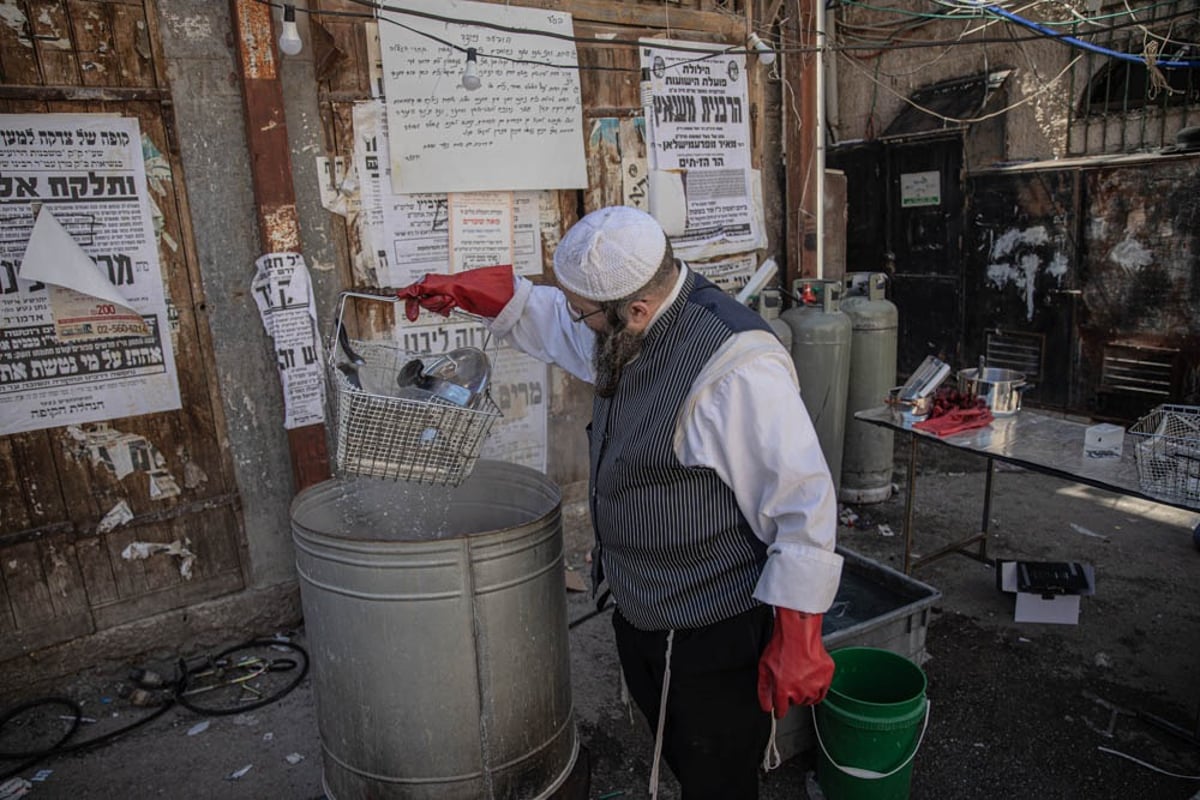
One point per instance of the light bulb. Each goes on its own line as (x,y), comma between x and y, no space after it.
(289,39)
(766,55)
(470,78)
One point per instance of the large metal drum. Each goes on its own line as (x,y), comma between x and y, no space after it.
(437,628)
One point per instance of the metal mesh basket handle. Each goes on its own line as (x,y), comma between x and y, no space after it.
(380,435)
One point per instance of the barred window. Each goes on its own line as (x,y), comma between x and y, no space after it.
(1133,99)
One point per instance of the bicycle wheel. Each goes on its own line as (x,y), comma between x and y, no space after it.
(243,677)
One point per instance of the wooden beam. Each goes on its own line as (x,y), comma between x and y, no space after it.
(798,124)
(274,194)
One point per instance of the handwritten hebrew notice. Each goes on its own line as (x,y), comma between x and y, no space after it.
(283,292)
(405,236)
(87,171)
(521,129)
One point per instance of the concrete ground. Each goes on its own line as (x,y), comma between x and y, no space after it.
(1017,710)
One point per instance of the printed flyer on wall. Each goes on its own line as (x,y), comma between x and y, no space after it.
(83,318)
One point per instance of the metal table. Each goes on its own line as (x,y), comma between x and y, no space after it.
(1031,439)
(1037,441)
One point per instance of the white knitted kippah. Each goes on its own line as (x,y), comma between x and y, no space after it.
(610,253)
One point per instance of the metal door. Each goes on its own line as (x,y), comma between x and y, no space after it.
(925,205)
(1022,282)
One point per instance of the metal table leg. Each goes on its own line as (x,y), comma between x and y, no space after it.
(908,503)
(979,538)
(985,524)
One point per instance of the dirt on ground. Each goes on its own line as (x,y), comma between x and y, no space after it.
(1017,710)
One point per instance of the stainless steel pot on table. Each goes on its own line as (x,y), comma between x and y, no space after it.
(1001,389)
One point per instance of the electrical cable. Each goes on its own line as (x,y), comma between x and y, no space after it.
(1044,34)
(1083,45)
(968,120)
(1148,765)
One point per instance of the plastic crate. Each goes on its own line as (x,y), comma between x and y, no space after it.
(1167,452)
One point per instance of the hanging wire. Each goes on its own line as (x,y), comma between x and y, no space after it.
(955,10)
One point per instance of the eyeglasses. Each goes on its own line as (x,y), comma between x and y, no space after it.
(579,316)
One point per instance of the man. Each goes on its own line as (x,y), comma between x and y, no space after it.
(713,507)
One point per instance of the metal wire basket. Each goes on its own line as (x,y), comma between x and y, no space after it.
(381,436)
(1167,452)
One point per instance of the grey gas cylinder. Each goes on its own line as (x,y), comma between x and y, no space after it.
(874,322)
(821,352)
(770,306)
(437,628)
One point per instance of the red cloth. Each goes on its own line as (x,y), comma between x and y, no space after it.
(484,291)
(956,420)
(794,669)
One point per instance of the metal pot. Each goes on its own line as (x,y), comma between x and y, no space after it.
(1000,388)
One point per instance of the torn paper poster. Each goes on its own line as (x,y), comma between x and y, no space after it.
(124,453)
(631,141)
(63,361)
(117,516)
(162,484)
(338,186)
(85,305)
(729,274)
(699,149)
(283,292)
(137,551)
(527,235)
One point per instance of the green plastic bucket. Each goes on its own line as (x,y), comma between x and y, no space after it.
(870,725)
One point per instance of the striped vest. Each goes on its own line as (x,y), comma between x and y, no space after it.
(673,545)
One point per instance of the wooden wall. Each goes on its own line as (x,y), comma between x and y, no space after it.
(62,577)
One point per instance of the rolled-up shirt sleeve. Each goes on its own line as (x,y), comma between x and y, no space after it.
(536,321)
(745,419)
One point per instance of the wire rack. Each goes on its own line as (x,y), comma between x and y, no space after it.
(1167,452)
(381,436)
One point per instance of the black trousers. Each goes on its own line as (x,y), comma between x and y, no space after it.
(715,732)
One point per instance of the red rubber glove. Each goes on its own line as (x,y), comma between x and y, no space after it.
(956,420)
(794,669)
(484,291)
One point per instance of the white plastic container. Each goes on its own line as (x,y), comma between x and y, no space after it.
(1103,441)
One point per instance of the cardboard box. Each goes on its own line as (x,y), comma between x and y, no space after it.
(1046,591)
(1103,441)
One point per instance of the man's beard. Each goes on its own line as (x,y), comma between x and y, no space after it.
(614,349)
